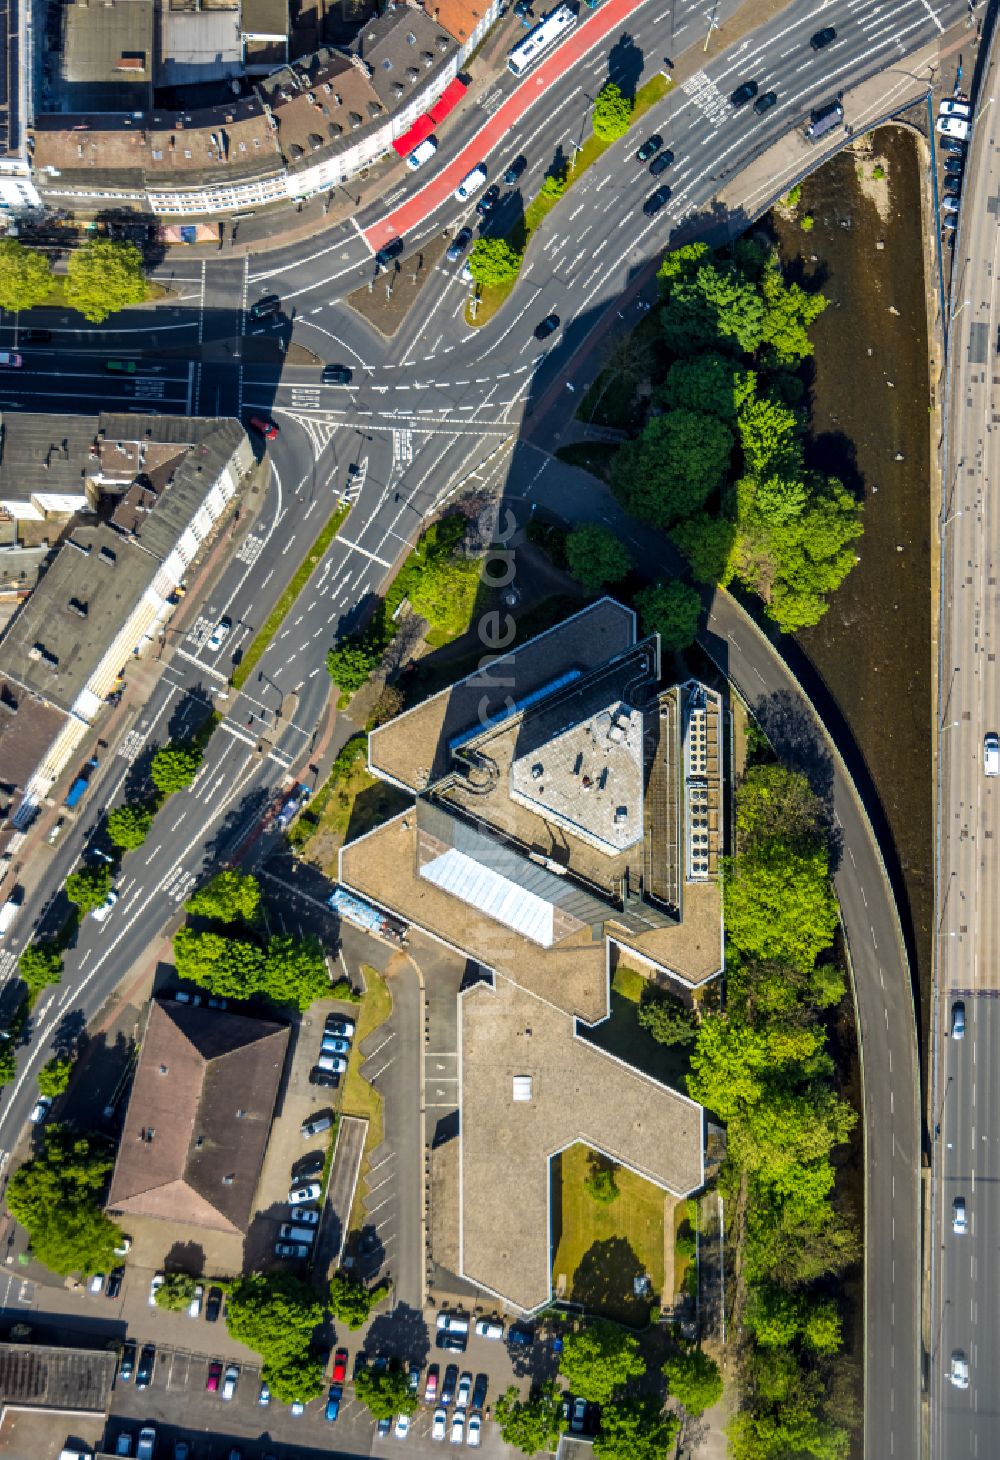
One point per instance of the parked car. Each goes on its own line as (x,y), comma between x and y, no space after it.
(473,1436)
(413,1377)
(520,1335)
(455,251)
(216,639)
(308,1192)
(457,1427)
(95,1283)
(823,38)
(266,427)
(448,1384)
(123,367)
(194,1307)
(490,1328)
(214,1376)
(123,1444)
(146,1448)
(337,375)
(115,1279)
(383,1428)
(464,1392)
(953,146)
(35,337)
(743,94)
(661,162)
(230,1380)
(334,1064)
(991,753)
(294,1250)
(270,304)
(402,1426)
(439,1424)
(959,1219)
(126,1364)
(315,1125)
(292,1232)
(339,1374)
(332,1044)
(325,1079)
(155,1287)
(11,359)
(651,146)
(765,102)
(147,1363)
(955,127)
(578,1415)
(479,1389)
(431,1384)
(333,1401)
(951,203)
(656,200)
(40,1109)
(952,108)
(305,1216)
(455,1343)
(182,1450)
(958,1020)
(213,1305)
(264,1395)
(339,1026)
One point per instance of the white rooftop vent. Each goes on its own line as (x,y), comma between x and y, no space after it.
(522,1087)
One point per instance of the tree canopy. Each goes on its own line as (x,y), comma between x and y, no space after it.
(276,1314)
(596,556)
(673,467)
(665,1017)
(384,1392)
(612,113)
(103,277)
(41,963)
(351,1300)
(694,1380)
(599,1359)
(89,886)
(531,1424)
(175,1292)
(635,1429)
(230,897)
(25,276)
(350,664)
(672,610)
(128,825)
(54,1076)
(56,1197)
(493,261)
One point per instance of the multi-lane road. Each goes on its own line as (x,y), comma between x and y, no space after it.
(436,405)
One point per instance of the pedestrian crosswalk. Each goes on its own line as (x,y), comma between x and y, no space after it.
(707,97)
(250,550)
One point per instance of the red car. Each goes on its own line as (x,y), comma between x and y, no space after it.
(431,1386)
(266,428)
(340,1366)
(214,1375)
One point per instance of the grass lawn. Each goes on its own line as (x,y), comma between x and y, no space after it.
(593,456)
(357,1097)
(601,1248)
(349,804)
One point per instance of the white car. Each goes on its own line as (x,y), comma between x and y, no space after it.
(41,1109)
(96,1282)
(471,183)
(297,1407)
(219,634)
(991,753)
(305,1216)
(959,1219)
(334,1064)
(489,1328)
(950,108)
(230,1380)
(154,1288)
(402,1426)
(475,1431)
(957,127)
(334,1044)
(457,1427)
(959,1374)
(194,1307)
(464,1391)
(301,1194)
(439,1424)
(104,911)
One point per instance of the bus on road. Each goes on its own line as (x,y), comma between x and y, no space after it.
(548,33)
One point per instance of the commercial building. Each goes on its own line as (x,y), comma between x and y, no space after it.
(567,816)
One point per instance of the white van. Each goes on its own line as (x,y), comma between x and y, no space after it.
(423,153)
(991,753)
(471,184)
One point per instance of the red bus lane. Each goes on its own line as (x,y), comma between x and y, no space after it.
(439,188)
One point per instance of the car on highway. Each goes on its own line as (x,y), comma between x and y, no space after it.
(335,1064)
(215,641)
(126,1364)
(145,1367)
(214,1376)
(146,1448)
(308,1192)
(958,1020)
(950,203)
(100,914)
(388,252)
(959,1218)
(952,108)
(956,127)
(439,1424)
(649,148)
(765,102)
(295,1251)
(959,1371)
(264,308)
(266,427)
(548,326)
(402,1426)
(40,1109)
(11,359)
(823,38)
(488,201)
(344,1028)
(991,753)
(337,375)
(230,1382)
(661,162)
(516,169)
(213,1305)
(333,1399)
(124,367)
(458,245)
(656,200)
(448,1384)
(457,1427)
(474,1434)
(743,94)
(470,184)
(431,1386)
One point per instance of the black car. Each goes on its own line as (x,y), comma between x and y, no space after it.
(519,1335)
(213,1305)
(954,146)
(479,1391)
(488,201)
(265,307)
(661,163)
(651,146)
(515,170)
(326,1079)
(823,38)
(448,1383)
(522,10)
(954,165)
(336,375)
(115,1278)
(35,337)
(765,102)
(388,252)
(126,1364)
(451,1342)
(458,245)
(656,200)
(147,1362)
(744,93)
(548,326)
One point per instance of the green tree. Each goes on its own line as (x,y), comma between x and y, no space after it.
(230,897)
(789,312)
(694,1380)
(612,113)
(554,184)
(103,277)
(714,306)
(175,767)
(175,1292)
(493,261)
(776,801)
(600,1182)
(681,263)
(57,1199)
(54,1076)
(669,472)
(635,1429)
(295,971)
(25,276)
(351,1301)
(384,1393)
(351,664)
(771,437)
(232,968)
(712,384)
(672,610)
(41,963)
(128,825)
(773,1316)
(599,1359)
(89,886)
(596,556)
(276,1314)
(779,904)
(296,1376)
(821,1329)
(667,1019)
(708,544)
(530,1424)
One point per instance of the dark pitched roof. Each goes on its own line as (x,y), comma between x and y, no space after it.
(69,1379)
(199,1117)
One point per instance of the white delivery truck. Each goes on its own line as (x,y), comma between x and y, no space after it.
(10,910)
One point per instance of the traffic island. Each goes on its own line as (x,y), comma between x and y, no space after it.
(390,295)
